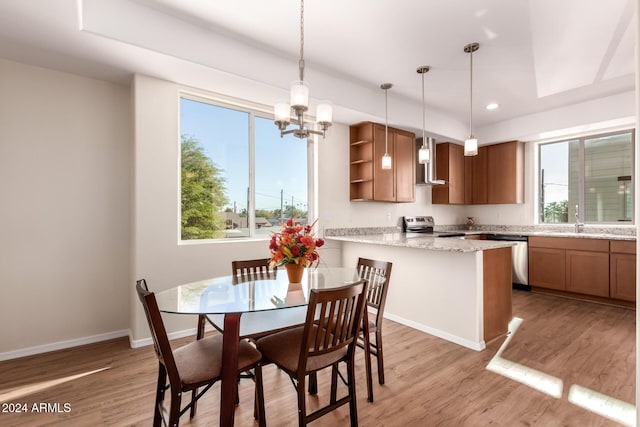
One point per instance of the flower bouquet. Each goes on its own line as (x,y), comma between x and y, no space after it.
(295,248)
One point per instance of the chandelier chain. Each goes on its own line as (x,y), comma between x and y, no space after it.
(301,63)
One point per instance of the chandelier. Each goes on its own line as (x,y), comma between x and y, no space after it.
(299,102)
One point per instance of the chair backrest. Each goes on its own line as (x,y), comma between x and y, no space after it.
(251,269)
(377,274)
(334,317)
(158,332)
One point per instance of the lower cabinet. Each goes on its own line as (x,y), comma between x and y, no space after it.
(547,268)
(597,268)
(622,268)
(588,272)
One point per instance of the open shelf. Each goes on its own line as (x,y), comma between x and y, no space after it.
(357,162)
(364,141)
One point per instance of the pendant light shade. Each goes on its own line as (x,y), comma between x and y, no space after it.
(386,158)
(423,154)
(471,143)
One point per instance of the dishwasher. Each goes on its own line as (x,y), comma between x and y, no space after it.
(519,258)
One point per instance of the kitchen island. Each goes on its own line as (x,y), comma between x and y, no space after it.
(456,289)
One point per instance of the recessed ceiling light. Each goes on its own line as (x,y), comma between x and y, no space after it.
(492,106)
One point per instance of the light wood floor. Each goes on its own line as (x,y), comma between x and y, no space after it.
(430,382)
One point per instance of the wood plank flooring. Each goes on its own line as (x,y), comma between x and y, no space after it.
(430,382)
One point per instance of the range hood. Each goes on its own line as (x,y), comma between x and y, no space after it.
(426,173)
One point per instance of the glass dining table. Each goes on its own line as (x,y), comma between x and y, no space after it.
(230,297)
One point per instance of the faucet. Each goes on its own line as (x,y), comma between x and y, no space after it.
(579,225)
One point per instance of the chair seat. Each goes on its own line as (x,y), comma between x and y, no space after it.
(283,348)
(200,361)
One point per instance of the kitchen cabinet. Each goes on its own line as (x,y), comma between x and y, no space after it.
(475,177)
(588,272)
(505,173)
(623,270)
(367,180)
(494,176)
(597,269)
(547,268)
(450,168)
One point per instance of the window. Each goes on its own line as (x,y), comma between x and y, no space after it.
(239,178)
(592,174)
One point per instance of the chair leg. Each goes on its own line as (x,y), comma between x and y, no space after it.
(379,356)
(334,383)
(353,410)
(313,383)
(174,412)
(258,406)
(162,382)
(192,411)
(302,404)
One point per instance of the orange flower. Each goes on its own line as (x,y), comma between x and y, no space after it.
(294,244)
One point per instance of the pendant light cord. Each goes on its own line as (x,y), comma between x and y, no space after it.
(424,111)
(471,94)
(386,124)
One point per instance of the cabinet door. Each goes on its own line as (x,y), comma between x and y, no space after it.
(405,166)
(384,184)
(547,268)
(588,272)
(623,276)
(505,173)
(449,167)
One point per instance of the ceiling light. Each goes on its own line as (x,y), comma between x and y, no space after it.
(299,101)
(386,159)
(423,153)
(471,143)
(492,106)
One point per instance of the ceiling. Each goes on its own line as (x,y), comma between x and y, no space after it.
(535,55)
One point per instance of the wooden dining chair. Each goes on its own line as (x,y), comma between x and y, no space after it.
(242,271)
(328,337)
(377,274)
(251,269)
(195,365)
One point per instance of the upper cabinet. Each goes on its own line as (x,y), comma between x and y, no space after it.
(494,176)
(450,168)
(505,173)
(367,180)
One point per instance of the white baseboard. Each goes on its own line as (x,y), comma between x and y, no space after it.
(172,336)
(30,351)
(477,346)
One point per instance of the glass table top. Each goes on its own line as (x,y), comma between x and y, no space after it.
(255,293)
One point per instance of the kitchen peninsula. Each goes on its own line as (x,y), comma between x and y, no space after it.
(456,289)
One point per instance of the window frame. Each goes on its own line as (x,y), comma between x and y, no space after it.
(254,110)
(539,209)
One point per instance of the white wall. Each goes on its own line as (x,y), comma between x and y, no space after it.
(65,144)
(157,256)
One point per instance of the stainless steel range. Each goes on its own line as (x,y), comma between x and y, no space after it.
(422,226)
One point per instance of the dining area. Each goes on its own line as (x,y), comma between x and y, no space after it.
(260,315)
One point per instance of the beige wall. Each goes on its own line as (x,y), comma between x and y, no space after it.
(65,145)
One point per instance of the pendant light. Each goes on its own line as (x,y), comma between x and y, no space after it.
(299,101)
(423,152)
(471,143)
(386,159)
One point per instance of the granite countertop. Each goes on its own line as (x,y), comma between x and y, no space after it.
(589,232)
(572,234)
(447,244)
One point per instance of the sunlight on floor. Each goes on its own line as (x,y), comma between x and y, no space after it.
(607,406)
(530,377)
(598,403)
(19,392)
